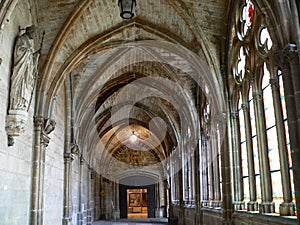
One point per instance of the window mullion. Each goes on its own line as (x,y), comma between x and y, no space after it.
(252,205)
(267,206)
(287,208)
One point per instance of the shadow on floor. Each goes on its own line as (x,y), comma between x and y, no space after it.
(134,221)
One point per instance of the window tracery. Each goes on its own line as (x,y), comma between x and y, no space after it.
(260,102)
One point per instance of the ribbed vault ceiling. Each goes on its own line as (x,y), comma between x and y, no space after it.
(136,75)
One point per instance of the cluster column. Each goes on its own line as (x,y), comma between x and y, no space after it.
(252,205)
(42,128)
(288,62)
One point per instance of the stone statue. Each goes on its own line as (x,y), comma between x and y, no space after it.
(25,69)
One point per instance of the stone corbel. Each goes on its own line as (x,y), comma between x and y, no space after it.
(15,124)
(48,127)
(74,149)
(291,52)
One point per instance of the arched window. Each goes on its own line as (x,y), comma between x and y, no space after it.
(265,174)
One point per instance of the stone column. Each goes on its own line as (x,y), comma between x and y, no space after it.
(292,54)
(237,170)
(42,128)
(90,199)
(204,170)
(282,59)
(266,206)
(157,201)
(180,186)
(209,164)
(97,196)
(165,197)
(197,164)
(252,205)
(80,210)
(68,158)
(216,169)
(287,207)
(117,205)
(227,208)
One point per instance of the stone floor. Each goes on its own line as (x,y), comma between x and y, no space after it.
(156,221)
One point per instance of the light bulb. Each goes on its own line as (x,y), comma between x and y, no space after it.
(133,137)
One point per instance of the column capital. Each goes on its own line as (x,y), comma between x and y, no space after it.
(291,53)
(245,106)
(257,96)
(274,82)
(38,121)
(68,157)
(235,115)
(286,56)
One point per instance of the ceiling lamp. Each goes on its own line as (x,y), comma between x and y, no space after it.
(127,8)
(133,137)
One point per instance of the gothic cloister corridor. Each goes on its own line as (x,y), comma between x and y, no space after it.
(178,112)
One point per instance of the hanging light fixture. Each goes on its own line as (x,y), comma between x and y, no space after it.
(133,137)
(127,8)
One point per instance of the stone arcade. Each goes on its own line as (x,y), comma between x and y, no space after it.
(185,111)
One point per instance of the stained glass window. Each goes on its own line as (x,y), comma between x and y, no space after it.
(255,42)
(248,15)
(265,38)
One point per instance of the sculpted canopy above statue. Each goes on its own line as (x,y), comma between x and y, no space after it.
(24,71)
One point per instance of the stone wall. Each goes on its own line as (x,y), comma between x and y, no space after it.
(15,161)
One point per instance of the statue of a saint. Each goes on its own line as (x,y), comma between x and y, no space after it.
(25,69)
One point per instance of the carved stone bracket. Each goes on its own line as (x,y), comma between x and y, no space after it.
(15,124)
(291,52)
(285,57)
(46,126)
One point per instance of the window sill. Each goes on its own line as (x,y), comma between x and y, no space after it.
(270,217)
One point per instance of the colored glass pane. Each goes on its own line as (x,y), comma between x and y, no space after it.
(277,189)
(273,149)
(258,188)
(255,155)
(288,144)
(281,89)
(265,38)
(244,159)
(252,115)
(248,15)
(246,189)
(266,77)
(292,184)
(242,125)
(240,73)
(268,99)
(268,106)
